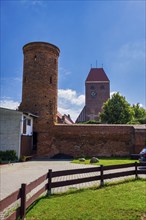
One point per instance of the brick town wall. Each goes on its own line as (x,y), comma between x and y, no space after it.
(91,140)
(140,138)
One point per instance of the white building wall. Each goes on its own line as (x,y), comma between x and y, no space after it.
(10,130)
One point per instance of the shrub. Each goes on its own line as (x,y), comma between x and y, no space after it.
(138,121)
(142,120)
(92,122)
(8,155)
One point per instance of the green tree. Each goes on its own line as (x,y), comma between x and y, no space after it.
(139,112)
(116,110)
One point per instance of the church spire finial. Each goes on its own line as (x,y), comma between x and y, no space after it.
(96,63)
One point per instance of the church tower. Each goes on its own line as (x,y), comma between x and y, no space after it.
(97,91)
(40,83)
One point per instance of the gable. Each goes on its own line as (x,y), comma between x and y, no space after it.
(97,75)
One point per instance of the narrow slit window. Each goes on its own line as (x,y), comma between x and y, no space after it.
(50,79)
(35,57)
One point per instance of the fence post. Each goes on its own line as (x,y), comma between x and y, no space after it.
(23,201)
(101,176)
(136,171)
(49,182)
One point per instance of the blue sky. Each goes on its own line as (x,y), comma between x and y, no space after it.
(111,32)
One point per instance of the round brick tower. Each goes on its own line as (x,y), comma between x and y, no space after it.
(40,82)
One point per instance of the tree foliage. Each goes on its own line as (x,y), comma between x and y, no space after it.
(116,110)
(139,112)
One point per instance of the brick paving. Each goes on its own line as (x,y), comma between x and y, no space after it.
(13,175)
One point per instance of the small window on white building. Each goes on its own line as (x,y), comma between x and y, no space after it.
(29,122)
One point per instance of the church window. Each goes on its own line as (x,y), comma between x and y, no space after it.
(92,87)
(102,87)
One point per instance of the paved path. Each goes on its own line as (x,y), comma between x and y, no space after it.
(12,175)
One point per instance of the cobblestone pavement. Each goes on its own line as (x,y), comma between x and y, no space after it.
(13,175)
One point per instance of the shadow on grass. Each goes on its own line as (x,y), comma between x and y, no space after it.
(74,190)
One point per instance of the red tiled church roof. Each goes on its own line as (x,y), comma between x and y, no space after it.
(97,74)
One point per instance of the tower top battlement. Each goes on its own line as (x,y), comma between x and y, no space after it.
(40,45)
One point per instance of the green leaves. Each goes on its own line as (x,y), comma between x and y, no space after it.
(116,110)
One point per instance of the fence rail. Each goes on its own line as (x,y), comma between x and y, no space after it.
(21,194)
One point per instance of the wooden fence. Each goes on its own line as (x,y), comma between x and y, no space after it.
(21,194)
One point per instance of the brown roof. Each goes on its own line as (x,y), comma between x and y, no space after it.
(97,74)
(64,119)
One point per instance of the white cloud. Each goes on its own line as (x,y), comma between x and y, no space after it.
(32,2)
(69,102)
(7,102)
(128,58)
(112,93)
(70,96)
(140,105)
(64,71)
(132,51)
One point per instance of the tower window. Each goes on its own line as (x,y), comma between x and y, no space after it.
(35,57)
(50,79)
(25,79)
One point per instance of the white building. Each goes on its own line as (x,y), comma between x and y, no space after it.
(16,131)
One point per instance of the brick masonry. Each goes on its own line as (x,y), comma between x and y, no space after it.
(92,140)
(94,104)
(39,96)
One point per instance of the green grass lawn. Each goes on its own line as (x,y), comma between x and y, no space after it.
(107,161)
(124,201)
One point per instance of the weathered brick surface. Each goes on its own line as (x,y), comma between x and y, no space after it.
(90,140)
(39,96)
(94,104)
(140,138)
(40,81)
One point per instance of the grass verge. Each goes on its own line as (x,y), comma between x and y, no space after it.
(126,200)
(107,161)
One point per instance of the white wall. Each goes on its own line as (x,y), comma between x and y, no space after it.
(10,130)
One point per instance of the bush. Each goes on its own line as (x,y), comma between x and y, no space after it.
(138,121)
(92,122)
(142,120)
(8,155)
